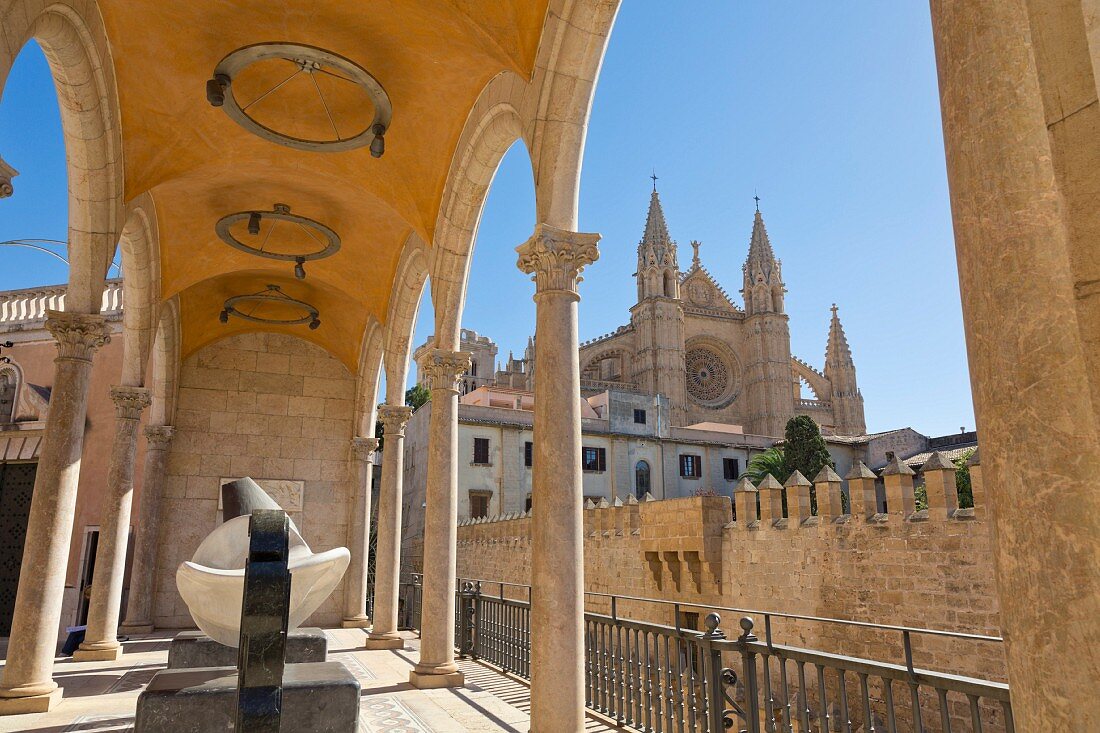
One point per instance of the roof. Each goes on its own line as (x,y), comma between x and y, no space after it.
(915,462)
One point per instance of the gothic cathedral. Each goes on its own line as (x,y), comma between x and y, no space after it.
(715,361)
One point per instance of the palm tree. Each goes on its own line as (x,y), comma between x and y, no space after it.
(770,461)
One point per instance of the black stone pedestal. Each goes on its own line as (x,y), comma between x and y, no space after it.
(321,697)
(195,649)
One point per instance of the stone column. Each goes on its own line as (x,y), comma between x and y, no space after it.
(387,555)
(355,598)
(139,606)
(555,257)
(101,639)
(1035,412)
(26,685)
(437,667)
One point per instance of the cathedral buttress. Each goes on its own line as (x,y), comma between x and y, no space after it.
(840,370)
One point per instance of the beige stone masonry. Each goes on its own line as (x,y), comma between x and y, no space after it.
(771,502)
(898,479)
(798,500)
(862,497)
(827,487)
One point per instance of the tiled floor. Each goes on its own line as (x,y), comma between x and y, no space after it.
(100,697)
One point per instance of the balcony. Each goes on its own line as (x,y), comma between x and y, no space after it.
(640,676)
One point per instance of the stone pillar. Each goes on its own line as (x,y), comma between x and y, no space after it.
(1027,354)
(745,497)
(139,606)
(437,667)
(387,554)
(101,639)
(555,257)
(355,597)
(940,487)
(359,537)
(771,502)
(26,685)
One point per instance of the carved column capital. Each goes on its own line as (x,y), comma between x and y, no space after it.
(443,368)
(556,257)
(364,448)
(130,401)
(159,437)
(6,174)
(78,334)
(394,418)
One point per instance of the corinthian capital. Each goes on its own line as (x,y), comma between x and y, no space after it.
(6,174)
(443,368)
(159,437)
(394,417)
(364,448)
(78,334)
(556,257)
(130,401)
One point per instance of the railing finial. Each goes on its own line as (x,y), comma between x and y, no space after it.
(746,629)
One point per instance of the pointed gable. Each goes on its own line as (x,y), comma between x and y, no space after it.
(761,260)
(837,352)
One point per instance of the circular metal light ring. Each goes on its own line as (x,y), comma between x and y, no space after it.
(307,57)
(279,298)
(279,212)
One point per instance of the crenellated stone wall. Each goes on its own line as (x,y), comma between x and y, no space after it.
(929,570)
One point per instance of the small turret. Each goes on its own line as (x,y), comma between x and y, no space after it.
(658,269)
(763,289)
(840,370)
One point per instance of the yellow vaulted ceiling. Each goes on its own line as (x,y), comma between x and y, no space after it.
(432,57)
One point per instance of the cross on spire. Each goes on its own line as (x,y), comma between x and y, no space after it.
(756,198)
(654,177)
(834,309)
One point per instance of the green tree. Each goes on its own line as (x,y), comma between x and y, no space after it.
(962,479)
(770,461)
(804,450)
(417,395)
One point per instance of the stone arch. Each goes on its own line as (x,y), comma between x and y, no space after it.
(366,383)
(626,361)
(493,126)
(166,364)
(75,44)
(140,286)
(817,382)
(408,287)
(560,96)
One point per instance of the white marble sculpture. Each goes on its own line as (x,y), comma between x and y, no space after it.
(212,582)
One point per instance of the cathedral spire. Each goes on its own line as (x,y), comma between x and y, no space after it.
(763,288)
(837,353)
(658,269)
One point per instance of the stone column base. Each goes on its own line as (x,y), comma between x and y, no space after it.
(375,644)
(435,681)
(98,655)
(135,629)
(359,622)
(30,704)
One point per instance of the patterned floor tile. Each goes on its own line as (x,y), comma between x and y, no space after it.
(387,714)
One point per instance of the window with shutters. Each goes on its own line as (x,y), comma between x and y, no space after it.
(691,466)
(731,468)
(479,504)
(639,417)
(528,453)
(481,451)
(594,459)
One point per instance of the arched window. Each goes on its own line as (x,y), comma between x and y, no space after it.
(7,395)
(473,368)
(641,480)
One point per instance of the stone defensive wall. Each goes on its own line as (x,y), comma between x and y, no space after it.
(860,560)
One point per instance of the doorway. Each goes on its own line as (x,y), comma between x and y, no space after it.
(16,489)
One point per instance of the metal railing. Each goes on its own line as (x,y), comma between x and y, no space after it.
(669,679)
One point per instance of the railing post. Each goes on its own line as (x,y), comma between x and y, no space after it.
(752,693)
(469,597)
(712,672)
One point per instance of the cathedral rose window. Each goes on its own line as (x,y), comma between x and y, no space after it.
(708,375)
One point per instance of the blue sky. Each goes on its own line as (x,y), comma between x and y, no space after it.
(828,110)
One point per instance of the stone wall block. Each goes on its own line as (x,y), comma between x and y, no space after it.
(827,487)
(898,478)
(745,497)
(940,487)
(862,496)
(798,499)
(771,502)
